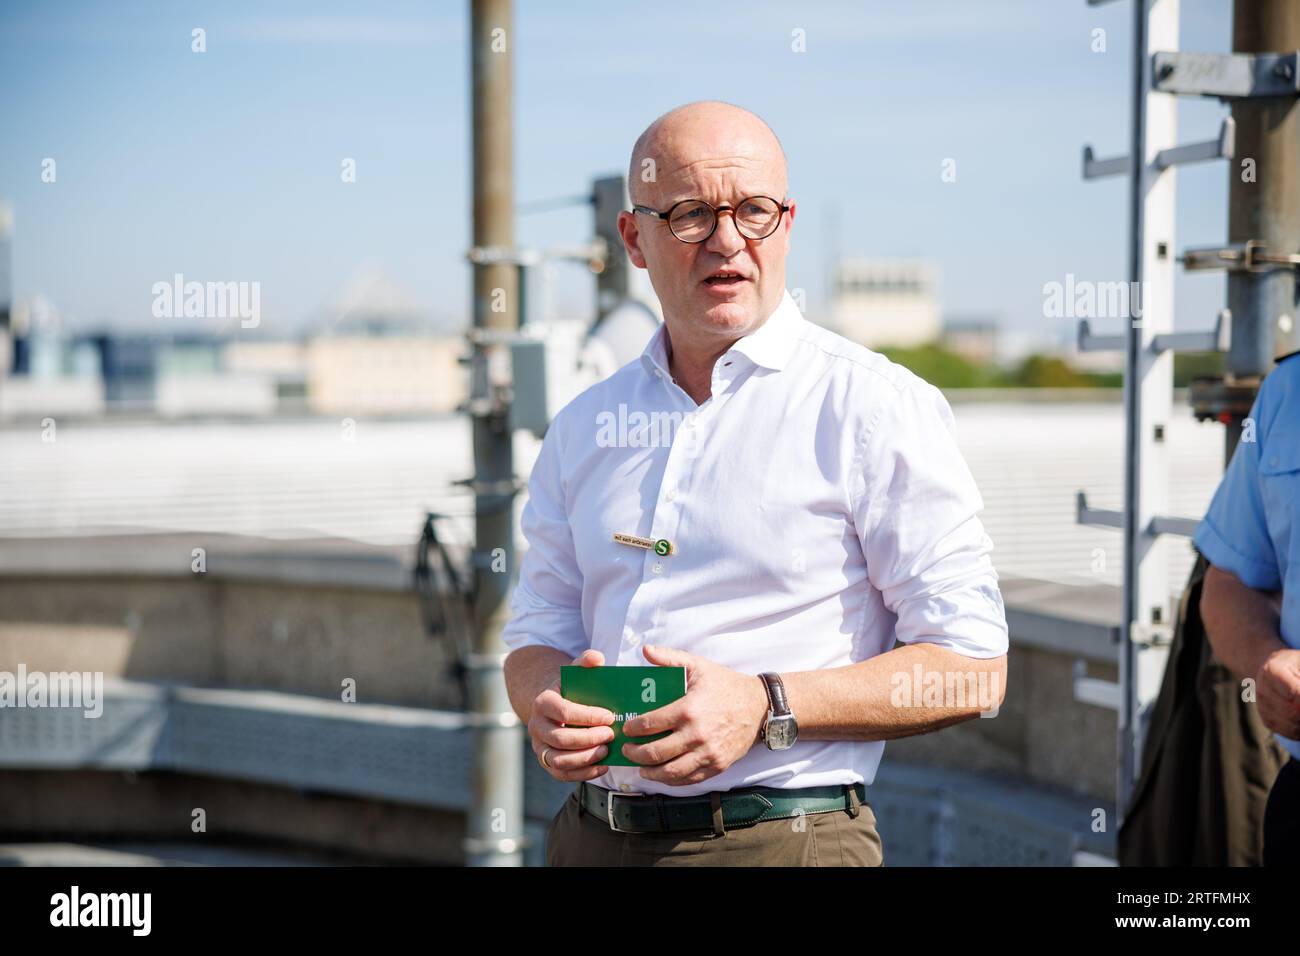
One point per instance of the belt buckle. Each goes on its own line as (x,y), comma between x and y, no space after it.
(609,809)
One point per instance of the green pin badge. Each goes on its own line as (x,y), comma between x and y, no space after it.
(663,547)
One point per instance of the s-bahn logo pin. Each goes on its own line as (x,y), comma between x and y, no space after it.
(661,546)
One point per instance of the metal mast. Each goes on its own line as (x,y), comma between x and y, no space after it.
(494,828)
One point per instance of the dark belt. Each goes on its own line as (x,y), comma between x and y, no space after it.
(717,811)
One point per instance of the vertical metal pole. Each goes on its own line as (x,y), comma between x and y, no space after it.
(614,281)
(1263,304)
(6,288)
(494,823)
(1148,390)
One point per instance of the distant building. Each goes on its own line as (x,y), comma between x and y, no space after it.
(974,338)
(373,352)
(885,302)
(129,369)
(191,379)
(283,364)
(384,375)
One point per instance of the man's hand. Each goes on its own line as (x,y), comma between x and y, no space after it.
(711,728)
(574,749)
(1277,692)
(1244,628)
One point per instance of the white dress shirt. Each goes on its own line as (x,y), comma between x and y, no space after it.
(818,508)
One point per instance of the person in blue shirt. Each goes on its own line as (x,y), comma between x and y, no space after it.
(1250,601)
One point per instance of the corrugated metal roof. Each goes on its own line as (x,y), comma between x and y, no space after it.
(297,479)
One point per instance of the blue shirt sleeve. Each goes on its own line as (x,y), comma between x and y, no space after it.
(1233,535)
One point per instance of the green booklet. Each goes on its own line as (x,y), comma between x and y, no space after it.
(627,692)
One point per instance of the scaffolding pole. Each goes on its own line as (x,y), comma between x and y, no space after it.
(494,833)
(1263,205)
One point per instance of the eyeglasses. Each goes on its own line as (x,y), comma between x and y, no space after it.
(694,220)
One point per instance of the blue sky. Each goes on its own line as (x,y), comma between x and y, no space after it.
(225,165)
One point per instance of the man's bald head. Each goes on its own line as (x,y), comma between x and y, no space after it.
(700,134)
(725,285)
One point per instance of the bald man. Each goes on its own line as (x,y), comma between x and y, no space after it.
(780,511)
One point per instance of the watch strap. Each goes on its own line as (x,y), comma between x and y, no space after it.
(776,694)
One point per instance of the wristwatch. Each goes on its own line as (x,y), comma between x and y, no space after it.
(779,730)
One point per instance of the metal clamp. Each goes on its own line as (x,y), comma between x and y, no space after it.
(1226,76)
(1246,256)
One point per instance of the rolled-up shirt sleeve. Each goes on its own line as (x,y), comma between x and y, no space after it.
(1233,535)
(546,605)
(916,512)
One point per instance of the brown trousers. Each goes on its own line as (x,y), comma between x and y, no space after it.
(578,838)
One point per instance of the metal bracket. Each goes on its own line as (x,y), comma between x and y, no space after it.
(1094,690)
(1098,517)
(1087,342)
(1169,524)
(502,256)
(1151,635)
(478,335)
(1109,518)
(593,253)
(1249,256)
(506,486)
(1218,339)
(1097,168)
(484,408)
(1226,76)
(1222,148)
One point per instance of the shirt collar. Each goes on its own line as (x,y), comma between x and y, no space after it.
(769,346)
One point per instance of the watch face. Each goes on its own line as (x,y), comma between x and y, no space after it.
(781,732)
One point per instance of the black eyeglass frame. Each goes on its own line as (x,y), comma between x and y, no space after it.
(782,209)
